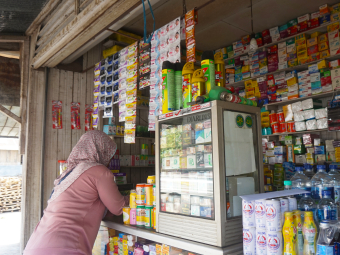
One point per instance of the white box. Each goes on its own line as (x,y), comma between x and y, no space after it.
(294,87)
(297,107)
(303,18)
(274,31)
(282,45)
(314,77)
(335,73)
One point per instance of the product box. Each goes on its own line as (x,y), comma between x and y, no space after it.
(323,46)
(324,54)
(300,159)
(323,38)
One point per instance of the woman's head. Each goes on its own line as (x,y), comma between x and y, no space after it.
(93,147)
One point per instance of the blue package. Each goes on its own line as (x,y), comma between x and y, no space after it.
(325,19)
(116,86)
(319,150)
(116,65)
(289,170)
(116,76)
(103,70)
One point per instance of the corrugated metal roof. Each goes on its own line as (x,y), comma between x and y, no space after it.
(9,127)
(17,15)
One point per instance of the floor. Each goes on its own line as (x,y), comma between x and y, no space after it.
(10,224)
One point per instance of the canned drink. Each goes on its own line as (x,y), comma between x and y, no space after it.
(274,243)
(140,194)
(249,241)
(233,98)
(248,213)
(260,214)
(273,215)
(140,214)
(126,215)
(261,242)
(292,203)
(133,215)
(148,216)
(148,194)
(230,88)
(284,208)
(133,199)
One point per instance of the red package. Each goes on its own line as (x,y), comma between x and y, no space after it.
(75,115)
(272,49)
(313,23)
(303,26)
(88,117)
(313,49)
(57,119)
(259,42)
(265,33)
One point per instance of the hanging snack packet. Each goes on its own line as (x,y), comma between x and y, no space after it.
(75,115)
(88,117)
(57,120)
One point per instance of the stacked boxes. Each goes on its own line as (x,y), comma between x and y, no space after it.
(255,65)
(281,87)
(315,79)
(273,59)
(271,92)
(323,45)
(303,22)
(245,67)
(313,49)
(292,27)
(263,62)
(335,75)
(291,53)
(325,14)
(326,80)
(305,87)
(282,55)
(292,83)
(334,43)
(275,34)
(301,48)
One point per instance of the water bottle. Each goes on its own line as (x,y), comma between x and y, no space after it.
(321,181)
(327,209)
(287,185)
(300,181)
(309,171)
(325,246)
(334,174)
(306,204)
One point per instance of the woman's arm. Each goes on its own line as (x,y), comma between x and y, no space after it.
(109,194)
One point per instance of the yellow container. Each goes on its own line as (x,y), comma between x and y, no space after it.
(187,73)
(148,194)
(112,50)
(289,234)
(298,224)
(219,69)
(122,38)
(126,215)
(310,233)
(198,84)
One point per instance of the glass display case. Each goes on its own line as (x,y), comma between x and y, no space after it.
(206,157)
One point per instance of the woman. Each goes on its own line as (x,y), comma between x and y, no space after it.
(79,200)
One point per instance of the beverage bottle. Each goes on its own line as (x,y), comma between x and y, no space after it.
(309,234)
(289,235)
(334,174)
(309,172)
(321,181)
(326,236)
(298,224)
(306,204)
(287,185)
(300,181)
(327,209)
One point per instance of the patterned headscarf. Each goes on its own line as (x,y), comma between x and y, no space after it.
(93,148)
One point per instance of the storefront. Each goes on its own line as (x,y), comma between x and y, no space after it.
(199,128)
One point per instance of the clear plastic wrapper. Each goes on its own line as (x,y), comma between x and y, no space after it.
(311,124)
(299,116)
(300,126)
(322,123)
(296,107)
(321,113)
(307,104)
(309,114)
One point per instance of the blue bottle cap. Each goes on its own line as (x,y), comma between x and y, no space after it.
(299,169)
(321,167)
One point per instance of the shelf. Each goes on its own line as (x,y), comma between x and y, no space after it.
(190,193)
(121,136)
(135,166)
(326,94)
(299,132)
(189,169)
(322,28)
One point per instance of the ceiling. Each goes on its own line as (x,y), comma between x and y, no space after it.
(17,15)
(224,21)
(9,127)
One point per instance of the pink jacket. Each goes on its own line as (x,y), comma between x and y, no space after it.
(71,222)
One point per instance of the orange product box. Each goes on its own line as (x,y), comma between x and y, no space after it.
(324,54)
(324,9)
(323,38)
(314,57)
(312,41)
(323,46)
(229,70)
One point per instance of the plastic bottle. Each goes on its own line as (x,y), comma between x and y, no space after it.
(187,73)
(178,86)
(298,224)
(287,185)
(309,171)
(324,245)
(300,181)
(208,68)
(334,174)
(168,87)
(289,234)
(309,234)
(321,181)
(327,209)
(306,204)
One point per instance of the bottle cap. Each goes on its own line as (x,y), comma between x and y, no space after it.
(287,183)
(298,169)
(321,167)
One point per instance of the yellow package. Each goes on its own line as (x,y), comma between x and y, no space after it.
(301,41)
(312,41)
(293,62)
(314,57)
(315,34)
(292,81)
(288,112)
(250,94)
(250,90)
(302,36)
(245,69)
(335,16)
(257,90)
(324,54)
(254,83)
(322,64)
(265,114)
(323,38)
(248,84)
(335,8)
(265,119)
(303,60)
(302,54)
(302,47)
(323,46)
(265,123)
(332,27)
(257,94)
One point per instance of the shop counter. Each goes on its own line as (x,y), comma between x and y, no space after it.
(150,234)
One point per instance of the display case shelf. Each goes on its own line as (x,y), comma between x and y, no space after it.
(137,137)
(135,166)
(299,132)
(190,193)
(190,169)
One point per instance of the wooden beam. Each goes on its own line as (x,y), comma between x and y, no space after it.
(77,6)
(80,23)
(9,114)
(112,14)
(49,7)
(24,76)
(10,54)
(12,38)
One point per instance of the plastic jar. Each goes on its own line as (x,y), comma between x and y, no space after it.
(62,166)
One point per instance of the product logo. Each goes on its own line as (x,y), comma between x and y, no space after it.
(274,243)
(248,208)
(247,237)
(239,120)
(249,121)
(259,210)
(270,212)
(262,240)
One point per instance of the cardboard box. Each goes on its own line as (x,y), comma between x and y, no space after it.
(323,46)
(323,38)
(324,54)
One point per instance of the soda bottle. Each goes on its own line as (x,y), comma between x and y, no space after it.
(300,181)
(334,174)
(298,224)
(321,181)
(289,235)
(309,234)
(309,171)
(326,236)
(306,204)
(327,209)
